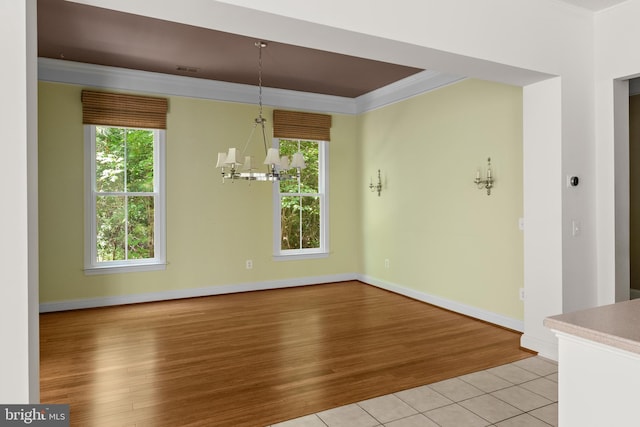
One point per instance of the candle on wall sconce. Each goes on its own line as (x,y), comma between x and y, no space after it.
(376,187)
(485,183)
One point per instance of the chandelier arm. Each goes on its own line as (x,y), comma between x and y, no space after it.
(244,149)
(273,159)
(264,137)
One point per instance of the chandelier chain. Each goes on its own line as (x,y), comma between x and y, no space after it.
(279,168)
(260,46)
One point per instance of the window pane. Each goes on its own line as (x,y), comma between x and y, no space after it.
(140,227)
(109,159)
(139,160)
(300,222)
(289,186)
(300,216)
(288,148)
(310,222)
(290,222)
(110,226)
(309,175)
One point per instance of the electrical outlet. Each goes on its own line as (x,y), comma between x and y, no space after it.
(249,264)
(521,294)
(386,263)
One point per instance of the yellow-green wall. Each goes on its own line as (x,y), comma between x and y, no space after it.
(211,228)
(441,235)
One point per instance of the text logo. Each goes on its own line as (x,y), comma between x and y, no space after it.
(34,415)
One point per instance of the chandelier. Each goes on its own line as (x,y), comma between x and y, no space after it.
(279,168)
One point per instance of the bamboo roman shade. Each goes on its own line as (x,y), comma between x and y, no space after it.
(297,125)
(115,109)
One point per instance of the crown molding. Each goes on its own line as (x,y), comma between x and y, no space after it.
(100,76)
(408,87)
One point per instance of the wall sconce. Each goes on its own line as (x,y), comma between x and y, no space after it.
(376,187)
(485,183)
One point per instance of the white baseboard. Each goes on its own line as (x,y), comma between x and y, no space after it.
(48,307)
(544,348)
(467,310)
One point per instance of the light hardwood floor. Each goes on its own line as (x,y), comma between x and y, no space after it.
(257,358)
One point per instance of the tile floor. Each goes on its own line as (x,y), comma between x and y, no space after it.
(520,394)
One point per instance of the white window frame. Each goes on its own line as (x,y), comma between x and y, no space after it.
(158,262)
(323,194)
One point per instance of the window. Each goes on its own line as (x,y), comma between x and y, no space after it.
(301,206)
(125,224)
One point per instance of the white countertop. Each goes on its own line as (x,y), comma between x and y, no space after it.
(616,325)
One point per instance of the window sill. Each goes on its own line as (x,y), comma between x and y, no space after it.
(130,268)
(295,257)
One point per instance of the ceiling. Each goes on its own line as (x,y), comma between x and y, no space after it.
(81,33)
(88,34)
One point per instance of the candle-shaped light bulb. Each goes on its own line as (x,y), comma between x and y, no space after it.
(478,175)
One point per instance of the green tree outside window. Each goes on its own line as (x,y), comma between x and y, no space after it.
(300,201)
(125,198)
